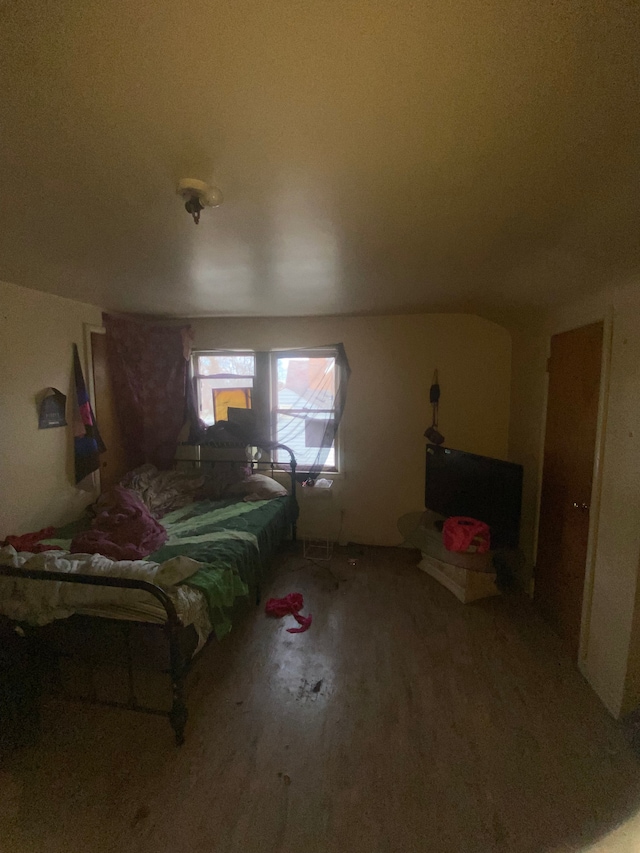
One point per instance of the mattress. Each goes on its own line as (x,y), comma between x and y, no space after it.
(234,541)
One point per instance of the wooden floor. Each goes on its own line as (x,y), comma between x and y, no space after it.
(401,721)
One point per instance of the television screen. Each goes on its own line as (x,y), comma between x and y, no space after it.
(490,490)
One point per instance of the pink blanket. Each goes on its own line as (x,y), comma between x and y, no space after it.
(124,529)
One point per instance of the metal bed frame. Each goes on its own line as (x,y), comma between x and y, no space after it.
(172,626)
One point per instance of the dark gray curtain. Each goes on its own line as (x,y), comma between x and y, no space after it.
(343,372)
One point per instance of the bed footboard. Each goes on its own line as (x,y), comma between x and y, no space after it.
(178,713)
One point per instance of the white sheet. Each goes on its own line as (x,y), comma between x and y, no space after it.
(41,602)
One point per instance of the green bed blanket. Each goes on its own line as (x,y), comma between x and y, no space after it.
(227,534)
(234,539)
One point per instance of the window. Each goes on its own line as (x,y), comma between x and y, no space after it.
(292,393)
(303,389)
(224,379)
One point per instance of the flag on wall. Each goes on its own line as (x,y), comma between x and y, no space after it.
(87,443)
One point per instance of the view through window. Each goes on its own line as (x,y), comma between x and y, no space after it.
(303,403)
(224,379)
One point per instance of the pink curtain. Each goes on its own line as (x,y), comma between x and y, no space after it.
(148,367)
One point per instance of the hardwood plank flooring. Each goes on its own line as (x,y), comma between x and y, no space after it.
(401,721)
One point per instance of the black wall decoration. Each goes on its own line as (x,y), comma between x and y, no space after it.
(52,409)
(431,433)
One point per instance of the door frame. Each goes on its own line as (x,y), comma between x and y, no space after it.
(606,319)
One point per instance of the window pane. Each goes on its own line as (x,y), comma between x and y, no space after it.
(306,383)
(293,431)
(306,390)
(226,364)
(224,379)
(236,398)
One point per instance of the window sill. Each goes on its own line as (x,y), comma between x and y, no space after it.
(328,475)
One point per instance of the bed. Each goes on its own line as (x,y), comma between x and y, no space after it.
(233,541)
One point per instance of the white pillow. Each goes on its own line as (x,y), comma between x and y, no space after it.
(258,487)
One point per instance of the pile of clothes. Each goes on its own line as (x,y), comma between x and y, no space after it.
(123,528)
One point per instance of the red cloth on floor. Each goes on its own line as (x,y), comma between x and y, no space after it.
(123,530)
(29,541)
(291,604)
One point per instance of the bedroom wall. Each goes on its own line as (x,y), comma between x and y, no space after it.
(392,359)
(611,652)
(36,466)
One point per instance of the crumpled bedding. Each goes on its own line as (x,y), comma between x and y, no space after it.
(123,529)
(201,593)
(163,491)
(229,543)
(40,602)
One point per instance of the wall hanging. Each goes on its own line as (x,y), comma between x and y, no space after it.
(51,412)
(431,433)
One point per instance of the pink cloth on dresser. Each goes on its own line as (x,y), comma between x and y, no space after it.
(123,530)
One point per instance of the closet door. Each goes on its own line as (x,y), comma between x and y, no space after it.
(112,463)
(570,440)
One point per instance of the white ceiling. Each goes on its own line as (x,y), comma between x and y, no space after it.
(374,156)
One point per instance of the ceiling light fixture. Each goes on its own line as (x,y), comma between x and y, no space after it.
(197,195)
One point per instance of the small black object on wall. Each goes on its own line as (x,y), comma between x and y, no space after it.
(431,433)
(52,409)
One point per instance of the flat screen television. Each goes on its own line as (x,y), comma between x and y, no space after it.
(490,490)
